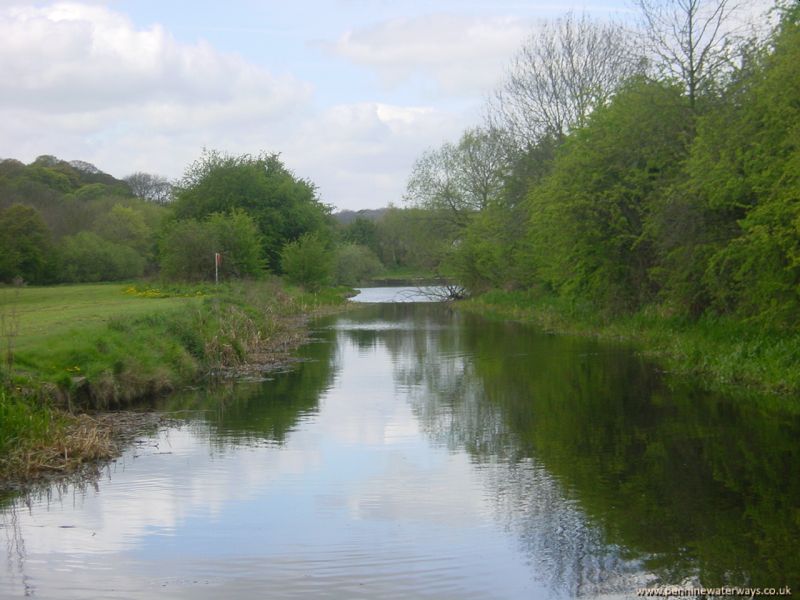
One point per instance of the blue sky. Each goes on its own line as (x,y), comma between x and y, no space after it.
(350,92)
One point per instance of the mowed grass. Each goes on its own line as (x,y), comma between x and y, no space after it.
(34,316)
(62,333)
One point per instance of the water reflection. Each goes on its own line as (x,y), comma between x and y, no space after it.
(419,453)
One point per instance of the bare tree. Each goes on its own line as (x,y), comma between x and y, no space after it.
(691,40)
(461,178)
(152,188)
(566,69)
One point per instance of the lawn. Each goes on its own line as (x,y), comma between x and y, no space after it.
(32,316)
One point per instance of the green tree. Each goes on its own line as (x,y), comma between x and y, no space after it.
(461,179)
(26,248)
(87,257)
(187,251)
(237,239)
(307,261)
(363,232)
(750,168)
(589,227)
(283,206)
(188,248)
(126,226)
(355,264)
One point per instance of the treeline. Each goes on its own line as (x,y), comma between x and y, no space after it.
(68,222)
(625,171)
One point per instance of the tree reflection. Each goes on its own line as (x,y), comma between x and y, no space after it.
(673,483)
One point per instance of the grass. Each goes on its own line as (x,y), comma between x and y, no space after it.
(725,352)
(80,347)
(48,312)
(36,439)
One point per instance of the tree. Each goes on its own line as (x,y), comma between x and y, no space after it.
(690,40)
(590,234)
(87,257)
(188,248)
(750,166)
(362,231)
(26,249)
(125,225)
(355,264)
(238,241)
(565,70)
(152,188)
(415,238)
(282,206)
(307,261)
(461,179)
(187,251)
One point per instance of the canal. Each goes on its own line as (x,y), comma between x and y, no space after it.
(417,452)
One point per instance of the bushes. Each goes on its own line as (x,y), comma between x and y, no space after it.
(355,264)
(188,248)
(307,262)
(87,257)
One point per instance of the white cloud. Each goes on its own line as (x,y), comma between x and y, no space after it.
(460,54)
(82,81)
(360,154)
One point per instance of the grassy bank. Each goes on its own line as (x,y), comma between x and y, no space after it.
(68,349)
(725,352)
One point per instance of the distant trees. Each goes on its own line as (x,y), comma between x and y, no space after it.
(88,257)
(26,248)
(355,264)
(152,188)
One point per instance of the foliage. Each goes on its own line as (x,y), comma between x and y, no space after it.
(282,206)
(363,232)
(88,257)
(458,180)
(355,264)
(416,238)
(73,198)
(188,248)
(26,249)
(307,262)
(589,233)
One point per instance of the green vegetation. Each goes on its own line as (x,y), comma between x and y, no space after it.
(283,207)
(666,210)
(307,262)
(729,354)
(101,346)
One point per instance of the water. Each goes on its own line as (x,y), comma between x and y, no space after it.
(395,294)
(421,453)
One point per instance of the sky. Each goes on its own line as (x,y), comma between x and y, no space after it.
(349,92)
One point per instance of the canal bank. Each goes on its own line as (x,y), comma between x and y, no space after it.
(736,357)
(75,350)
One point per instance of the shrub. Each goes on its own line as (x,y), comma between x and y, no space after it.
(307,262)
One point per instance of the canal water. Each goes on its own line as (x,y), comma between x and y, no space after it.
(418,452)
